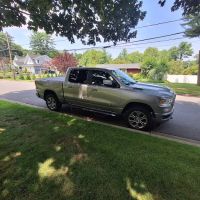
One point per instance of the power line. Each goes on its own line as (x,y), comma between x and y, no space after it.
(155,41)
(159,23)
(113,46)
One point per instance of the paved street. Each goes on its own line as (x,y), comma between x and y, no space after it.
(185,122)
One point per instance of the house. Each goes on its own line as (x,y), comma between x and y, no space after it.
(32,63)
(133,68)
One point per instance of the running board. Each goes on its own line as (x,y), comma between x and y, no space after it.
(96,111)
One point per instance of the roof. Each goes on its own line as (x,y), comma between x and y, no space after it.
(22,61)
(120,66)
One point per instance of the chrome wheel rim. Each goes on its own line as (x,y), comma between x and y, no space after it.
(138,120)
(51,103)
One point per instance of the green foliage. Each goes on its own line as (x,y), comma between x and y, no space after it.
(148,64)
(188,6)
(192,25)
(21,76)
(16,49)
(191,70)
(42,43)
(135,57)
(176,67)
(94,57)
(28,77)
(155,64)
(33,77)
(159,71)
(184,50)
(89,21)
(53,53)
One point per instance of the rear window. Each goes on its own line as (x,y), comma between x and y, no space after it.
(78,76)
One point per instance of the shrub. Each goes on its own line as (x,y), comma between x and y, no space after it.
(21,76)
(28,77)
(33,77)
(137,76)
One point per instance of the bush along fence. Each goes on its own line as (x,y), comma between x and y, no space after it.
(25,76)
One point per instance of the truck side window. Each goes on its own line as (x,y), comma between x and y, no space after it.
(77,76)
(96,78)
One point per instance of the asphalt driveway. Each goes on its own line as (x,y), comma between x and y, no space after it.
(185,122)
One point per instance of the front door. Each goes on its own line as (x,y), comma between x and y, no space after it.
(101,96)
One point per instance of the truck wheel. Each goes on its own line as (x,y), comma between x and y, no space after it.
(52,102)
(138,118)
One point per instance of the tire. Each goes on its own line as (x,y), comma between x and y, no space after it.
(52,102)
(138,117)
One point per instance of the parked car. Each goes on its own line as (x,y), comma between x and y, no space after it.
(109,91)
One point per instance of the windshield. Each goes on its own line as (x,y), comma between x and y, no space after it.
(123,77)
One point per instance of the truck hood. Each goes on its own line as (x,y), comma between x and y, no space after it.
(152,87)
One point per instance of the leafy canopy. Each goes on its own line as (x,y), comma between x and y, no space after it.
(184,50)
(94,57)
(63,61)
(192,25)
(188,6)
(90,21)
(41,43)
(15,48)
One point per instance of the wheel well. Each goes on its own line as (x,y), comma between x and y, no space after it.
(143,105)
(46,92)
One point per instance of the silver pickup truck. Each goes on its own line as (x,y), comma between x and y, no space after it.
(109,91)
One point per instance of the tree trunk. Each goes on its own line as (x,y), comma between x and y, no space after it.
(198,76)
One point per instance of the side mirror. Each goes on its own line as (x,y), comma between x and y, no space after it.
(108,83)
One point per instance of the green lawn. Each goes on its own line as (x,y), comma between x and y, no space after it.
(179,88)
(46,155)
(185,88)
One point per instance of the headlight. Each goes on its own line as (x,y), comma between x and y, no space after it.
(164,102)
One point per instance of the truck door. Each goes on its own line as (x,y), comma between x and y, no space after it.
(100,96)
(74,88)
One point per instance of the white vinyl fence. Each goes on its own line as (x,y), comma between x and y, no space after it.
(182,78)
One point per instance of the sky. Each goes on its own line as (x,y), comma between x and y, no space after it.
(155,14)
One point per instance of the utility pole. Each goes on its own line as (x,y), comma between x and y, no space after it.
(10,55)
(198,76)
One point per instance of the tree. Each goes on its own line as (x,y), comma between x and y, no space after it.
(188,6)
(192,26)
(15,48)
(63,61)
(88,21)
(151,52)
(135,57)
(94,57)
(184,50)
(122,58)
(41,43)
(176,67)
(174,55)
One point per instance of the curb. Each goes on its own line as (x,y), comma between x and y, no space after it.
(153,133)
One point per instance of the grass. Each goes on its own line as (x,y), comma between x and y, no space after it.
(184,88)
(46,155)
(179,88)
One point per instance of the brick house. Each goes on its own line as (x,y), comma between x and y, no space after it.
(133,68)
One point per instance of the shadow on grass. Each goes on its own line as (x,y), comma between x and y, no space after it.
(47,156)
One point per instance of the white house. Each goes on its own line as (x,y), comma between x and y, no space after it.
(33,63)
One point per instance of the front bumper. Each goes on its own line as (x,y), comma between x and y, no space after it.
(162,117)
